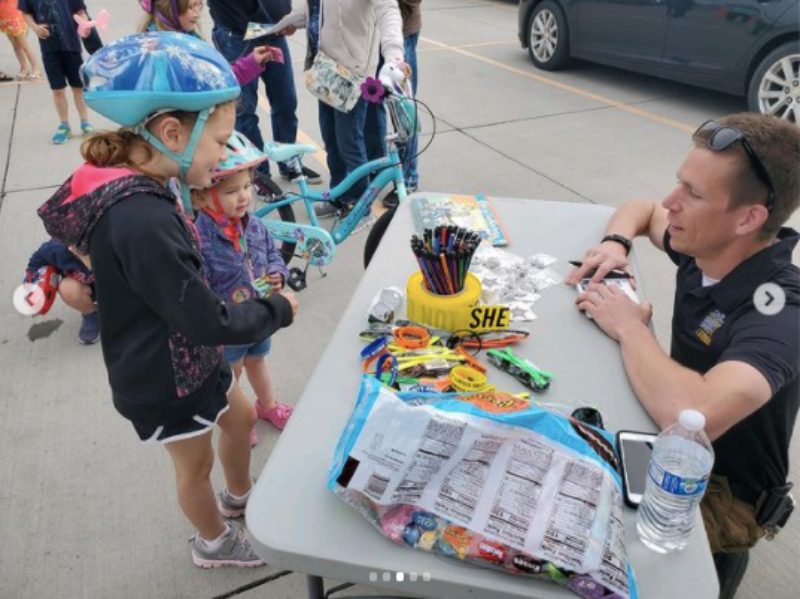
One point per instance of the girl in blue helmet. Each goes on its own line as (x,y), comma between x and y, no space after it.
(162,327)
(241,261)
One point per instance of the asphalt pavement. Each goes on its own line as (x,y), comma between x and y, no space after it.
(88,512)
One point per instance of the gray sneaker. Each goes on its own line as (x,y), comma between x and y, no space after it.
(230,507)
(325,209)
(234,551)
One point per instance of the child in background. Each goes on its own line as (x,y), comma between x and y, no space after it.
(163,328)
(76,287)
(52,21)
(183,16)
(241,261)
(12,23)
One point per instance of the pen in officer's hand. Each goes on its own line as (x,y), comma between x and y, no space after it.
(612,274)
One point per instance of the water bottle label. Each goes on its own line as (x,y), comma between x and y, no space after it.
(685,487)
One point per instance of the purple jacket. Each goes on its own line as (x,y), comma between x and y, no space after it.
(230,270)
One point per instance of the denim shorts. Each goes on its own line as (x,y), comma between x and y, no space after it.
(62,68)
(237,353)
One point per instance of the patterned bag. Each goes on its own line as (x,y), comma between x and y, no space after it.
(332,83)
(327,80)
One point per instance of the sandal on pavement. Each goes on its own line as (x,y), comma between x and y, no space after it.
(277,416)
(4,78)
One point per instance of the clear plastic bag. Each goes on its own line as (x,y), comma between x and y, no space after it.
(416,466)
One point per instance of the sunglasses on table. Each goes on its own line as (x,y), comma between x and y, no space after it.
(721,137)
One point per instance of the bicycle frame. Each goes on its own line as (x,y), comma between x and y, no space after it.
(389,169)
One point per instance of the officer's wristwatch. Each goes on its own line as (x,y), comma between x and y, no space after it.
(626,243)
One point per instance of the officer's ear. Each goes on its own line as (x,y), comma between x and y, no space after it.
(751,219)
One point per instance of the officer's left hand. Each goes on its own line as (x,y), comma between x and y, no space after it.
(612,310)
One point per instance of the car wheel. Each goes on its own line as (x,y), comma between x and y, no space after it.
(775,85)
(548,37)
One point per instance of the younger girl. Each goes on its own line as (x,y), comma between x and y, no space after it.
(162,326)
(183,16)
(241,261)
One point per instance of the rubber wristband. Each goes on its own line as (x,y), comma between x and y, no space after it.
(371,352)
(392,368)
(466,378)
(412,337)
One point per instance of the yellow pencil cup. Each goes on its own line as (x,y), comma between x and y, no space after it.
(448,312)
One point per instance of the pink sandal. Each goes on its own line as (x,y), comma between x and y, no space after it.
(277,416)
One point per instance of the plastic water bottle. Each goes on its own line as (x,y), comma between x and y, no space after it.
(677,478)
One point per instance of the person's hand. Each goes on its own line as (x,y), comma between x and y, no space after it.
(601,259)
(289,295)
(276,280)
(612,310)
(264,54)
(406,68)
(288,30)
(41,31)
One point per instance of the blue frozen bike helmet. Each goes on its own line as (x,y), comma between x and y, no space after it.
(140,76)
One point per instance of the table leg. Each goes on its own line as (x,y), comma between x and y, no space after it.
(315,587)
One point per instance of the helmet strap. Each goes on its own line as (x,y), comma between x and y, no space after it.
(184,159)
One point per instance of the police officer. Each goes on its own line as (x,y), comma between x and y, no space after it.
(735,342)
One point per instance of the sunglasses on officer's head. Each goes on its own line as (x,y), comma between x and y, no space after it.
(721,137)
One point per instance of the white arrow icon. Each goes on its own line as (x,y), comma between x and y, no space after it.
(769,299)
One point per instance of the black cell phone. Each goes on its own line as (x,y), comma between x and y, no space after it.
(635,450)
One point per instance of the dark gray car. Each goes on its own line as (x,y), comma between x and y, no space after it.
(743,47)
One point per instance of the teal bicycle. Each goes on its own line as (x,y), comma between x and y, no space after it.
(311,242)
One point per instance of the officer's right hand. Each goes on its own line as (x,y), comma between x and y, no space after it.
(42,31)
(601,259)
(289,295)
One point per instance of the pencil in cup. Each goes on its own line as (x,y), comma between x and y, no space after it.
(444,255)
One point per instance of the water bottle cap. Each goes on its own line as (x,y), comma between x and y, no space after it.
(692,420)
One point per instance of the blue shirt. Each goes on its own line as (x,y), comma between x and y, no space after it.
(57,15)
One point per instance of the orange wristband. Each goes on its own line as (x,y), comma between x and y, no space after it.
(412,337)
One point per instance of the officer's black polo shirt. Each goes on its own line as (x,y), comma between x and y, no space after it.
(719,323)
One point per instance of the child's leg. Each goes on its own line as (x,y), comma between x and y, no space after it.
(22,59)
(76,295)
(30,54)
(193,459)
(83,111)
(234,441)
(60,101)
(260,380)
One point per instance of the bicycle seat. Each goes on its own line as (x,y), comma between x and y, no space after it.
(283,152)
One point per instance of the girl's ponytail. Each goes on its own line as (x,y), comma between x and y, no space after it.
(110,148)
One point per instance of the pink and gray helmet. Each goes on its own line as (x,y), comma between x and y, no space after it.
(242,154)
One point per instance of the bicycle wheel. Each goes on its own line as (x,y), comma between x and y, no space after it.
(376,234)
(286,214)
